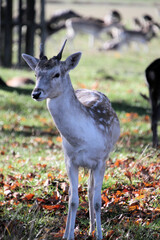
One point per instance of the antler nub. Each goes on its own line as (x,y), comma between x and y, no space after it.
(59,56)
(41,56)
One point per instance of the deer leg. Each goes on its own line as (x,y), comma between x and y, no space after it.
(73,202)
(91,41)
(154,120)
(68,219)
(98,175)
(91,206)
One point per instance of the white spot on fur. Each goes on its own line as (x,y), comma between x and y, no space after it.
(101,119)
(101,127)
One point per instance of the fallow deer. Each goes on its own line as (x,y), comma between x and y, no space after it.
(93,27)
(57,21)
(87,123)
(19,81)
(148,30)
(152,73)
(16,82)
(126,37)
(138,36)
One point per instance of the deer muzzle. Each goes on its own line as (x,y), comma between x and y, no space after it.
(36,93)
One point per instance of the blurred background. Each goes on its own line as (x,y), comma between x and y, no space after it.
(24,24)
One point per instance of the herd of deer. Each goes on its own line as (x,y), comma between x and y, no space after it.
(88,125)
(112,25)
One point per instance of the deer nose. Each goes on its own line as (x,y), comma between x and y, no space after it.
(35,95)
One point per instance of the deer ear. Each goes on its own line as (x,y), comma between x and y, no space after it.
(31,61)
(72,61)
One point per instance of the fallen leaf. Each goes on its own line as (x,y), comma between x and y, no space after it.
(28,197)
(50,176)
(140,197)
(129,175)
(109,234)
(106,177)
(95,86)
(58,139)
(157,210)
(81,85)
(53,207)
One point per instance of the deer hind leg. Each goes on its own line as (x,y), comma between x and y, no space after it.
(154,120)
(98,175)
(73,202)
(91,206)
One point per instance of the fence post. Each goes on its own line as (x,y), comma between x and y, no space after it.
(43,26)
(8,34)
(30,27)
(19,32)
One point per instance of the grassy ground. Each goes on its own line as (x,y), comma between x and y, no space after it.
(34,185)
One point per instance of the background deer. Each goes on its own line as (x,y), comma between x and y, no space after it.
(91,26)
(87,123)
(121,36)
(153,79)
(125,37)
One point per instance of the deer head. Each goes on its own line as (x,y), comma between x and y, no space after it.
(50,73)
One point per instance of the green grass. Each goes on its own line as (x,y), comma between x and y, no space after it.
(31,158)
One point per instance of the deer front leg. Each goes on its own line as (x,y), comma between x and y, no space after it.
(90,198)
(98,175)
(73,202)
(68,218)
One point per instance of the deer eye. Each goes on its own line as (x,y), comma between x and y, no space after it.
(56,75)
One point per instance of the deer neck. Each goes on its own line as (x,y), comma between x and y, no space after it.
(64,101)
(66,110)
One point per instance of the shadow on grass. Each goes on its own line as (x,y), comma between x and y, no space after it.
(28,131)
(19,91)
(138,142)
(125,107)
(118,106)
